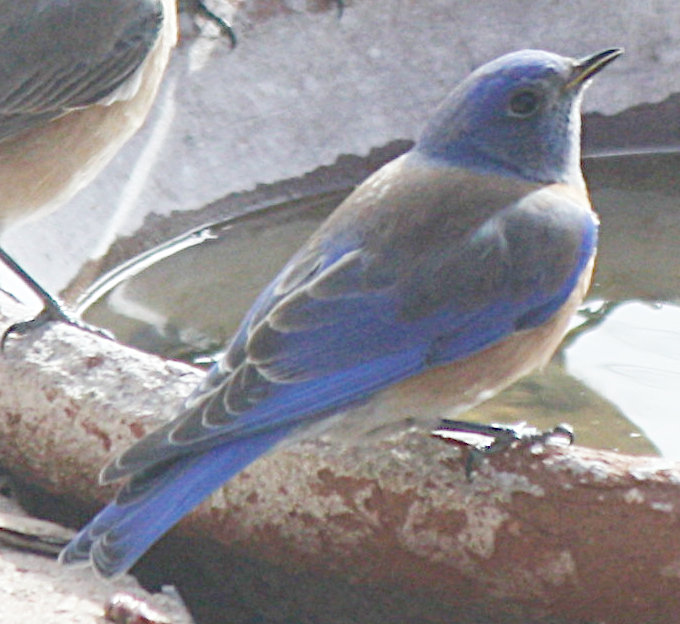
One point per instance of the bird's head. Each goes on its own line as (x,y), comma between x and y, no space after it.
(518,115)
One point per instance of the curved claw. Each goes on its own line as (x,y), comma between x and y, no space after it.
(563,430)
(496,438)
(48,314)
(224,26)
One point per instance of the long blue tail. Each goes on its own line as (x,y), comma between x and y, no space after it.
(156,499)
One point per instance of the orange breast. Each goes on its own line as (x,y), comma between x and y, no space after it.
(453,388)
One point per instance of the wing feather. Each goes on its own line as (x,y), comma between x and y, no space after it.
(323,336)
(60,56)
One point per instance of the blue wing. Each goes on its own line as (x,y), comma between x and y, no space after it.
(390,286)
(155,500)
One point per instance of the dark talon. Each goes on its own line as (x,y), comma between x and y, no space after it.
(564,430)
(52,309)
(48,314)
(199,7)
(496,438)
(23,327)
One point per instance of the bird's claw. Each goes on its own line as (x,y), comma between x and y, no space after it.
(225,27)
(495,438)
(48,314)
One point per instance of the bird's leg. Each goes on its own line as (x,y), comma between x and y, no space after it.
(498,437)
(199,7)
(340,4)
(52,309)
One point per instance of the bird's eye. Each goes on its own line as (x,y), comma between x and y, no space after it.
(524,103)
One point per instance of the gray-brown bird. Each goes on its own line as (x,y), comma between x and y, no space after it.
(78,79)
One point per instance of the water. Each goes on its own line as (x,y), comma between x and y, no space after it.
(185,299)
(615,378)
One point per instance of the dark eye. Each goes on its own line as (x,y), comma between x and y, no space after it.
(524,103)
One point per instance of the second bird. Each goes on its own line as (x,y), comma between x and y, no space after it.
(444,277)
(78,79)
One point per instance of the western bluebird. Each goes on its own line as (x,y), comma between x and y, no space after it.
(78,79)
(445,276)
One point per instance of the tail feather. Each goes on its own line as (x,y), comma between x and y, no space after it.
(153,501)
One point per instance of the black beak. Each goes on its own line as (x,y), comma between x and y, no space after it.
(587,67)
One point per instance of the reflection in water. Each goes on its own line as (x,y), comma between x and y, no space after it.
(633,359)
(188,303)
(613,379)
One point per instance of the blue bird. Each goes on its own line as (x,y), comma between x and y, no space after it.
(444,277)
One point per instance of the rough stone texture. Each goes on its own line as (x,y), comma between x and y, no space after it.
(392,533)
(303,87)
(97,391)
(554,533)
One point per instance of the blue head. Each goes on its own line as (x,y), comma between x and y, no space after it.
(518,115)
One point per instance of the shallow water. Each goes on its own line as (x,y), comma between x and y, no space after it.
(614,378)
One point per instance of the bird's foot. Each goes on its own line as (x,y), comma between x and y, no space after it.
(52,309)
(484,440)
(51,312)
(200,8)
